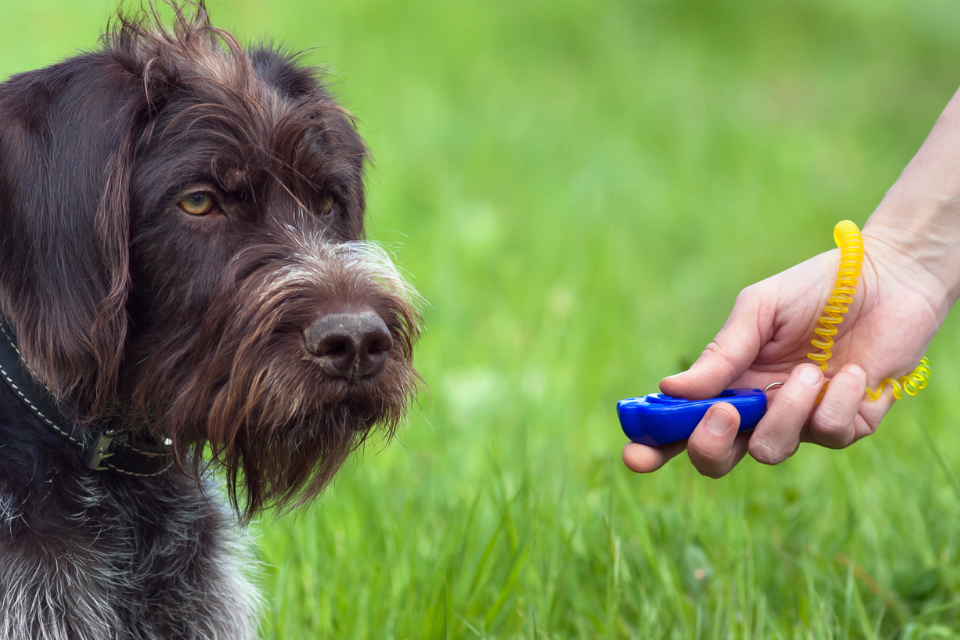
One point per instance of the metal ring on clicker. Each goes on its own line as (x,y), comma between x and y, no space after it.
(772,385)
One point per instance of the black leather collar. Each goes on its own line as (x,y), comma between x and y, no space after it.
(108,450)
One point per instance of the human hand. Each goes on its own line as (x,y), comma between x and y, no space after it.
(898,307)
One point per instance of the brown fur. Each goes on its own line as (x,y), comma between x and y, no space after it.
(136,314)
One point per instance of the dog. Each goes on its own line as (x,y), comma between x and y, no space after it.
(193,328)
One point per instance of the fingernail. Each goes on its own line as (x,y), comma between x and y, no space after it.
(810,376)
(718,422)
(856,370)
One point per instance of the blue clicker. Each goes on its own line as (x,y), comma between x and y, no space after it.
(656,419)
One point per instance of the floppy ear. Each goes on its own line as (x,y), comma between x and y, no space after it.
(67,139)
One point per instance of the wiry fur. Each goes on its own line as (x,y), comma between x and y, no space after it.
(74,562)
(142,318)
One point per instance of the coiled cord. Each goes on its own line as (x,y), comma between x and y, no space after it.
(848,238)
(910,384)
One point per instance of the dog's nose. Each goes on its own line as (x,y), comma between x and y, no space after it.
(349,345)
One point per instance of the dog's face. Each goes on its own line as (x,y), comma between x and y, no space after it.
(181,250)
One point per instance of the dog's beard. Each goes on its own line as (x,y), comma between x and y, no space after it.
(242,392)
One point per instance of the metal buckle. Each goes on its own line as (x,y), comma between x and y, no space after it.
(100,451)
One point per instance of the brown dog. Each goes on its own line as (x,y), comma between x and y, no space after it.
(182,280)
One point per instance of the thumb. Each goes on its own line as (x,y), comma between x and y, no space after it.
(726,358)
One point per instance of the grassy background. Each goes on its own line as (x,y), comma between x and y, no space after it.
(580,189)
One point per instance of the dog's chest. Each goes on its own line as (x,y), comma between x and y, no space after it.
(86,555)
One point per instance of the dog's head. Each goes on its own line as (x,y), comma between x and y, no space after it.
(181,249)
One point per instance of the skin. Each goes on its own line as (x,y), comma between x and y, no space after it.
(909,280)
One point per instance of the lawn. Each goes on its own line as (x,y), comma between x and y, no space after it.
(579,190)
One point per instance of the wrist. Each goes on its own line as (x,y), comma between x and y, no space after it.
(919,216)
(921,244)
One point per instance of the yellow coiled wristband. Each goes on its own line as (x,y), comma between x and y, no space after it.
(848,238)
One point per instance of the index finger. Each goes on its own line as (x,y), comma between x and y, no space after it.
(729,355)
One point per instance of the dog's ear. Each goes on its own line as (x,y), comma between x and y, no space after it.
(67,140)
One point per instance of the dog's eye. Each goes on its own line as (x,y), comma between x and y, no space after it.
(327,206)
(198,204)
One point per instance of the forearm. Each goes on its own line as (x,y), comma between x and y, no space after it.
(919,217)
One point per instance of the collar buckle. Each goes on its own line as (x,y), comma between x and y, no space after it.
(128,457)
(99,451)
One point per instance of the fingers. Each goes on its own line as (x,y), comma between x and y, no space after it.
(846,414)
(777,435)
(727,357)
(715,447)
(842,417)
(833,423)
(643,459)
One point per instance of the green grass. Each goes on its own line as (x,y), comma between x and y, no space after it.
(580,189)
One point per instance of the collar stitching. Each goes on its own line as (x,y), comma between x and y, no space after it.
(73,439)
